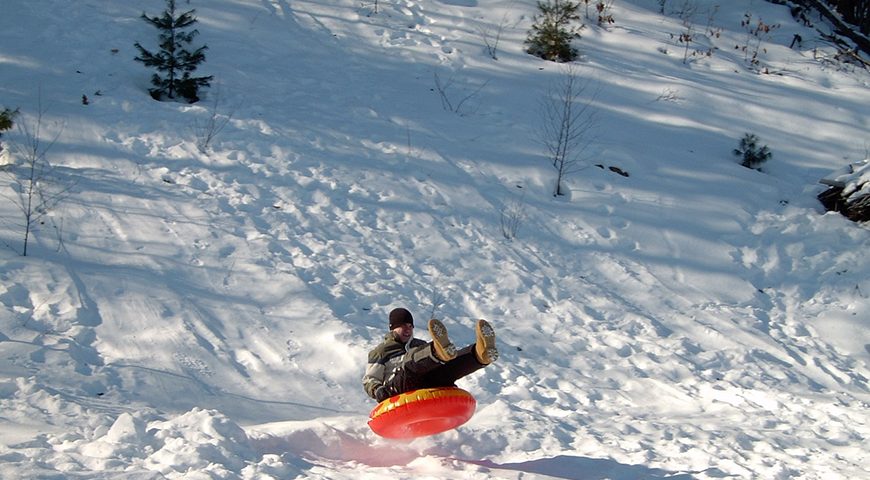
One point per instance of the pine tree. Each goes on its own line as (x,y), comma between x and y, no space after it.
(551,34)
(7,117)
(7,120)
(174,62)
(750,153)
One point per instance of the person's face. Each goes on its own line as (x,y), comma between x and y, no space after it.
(404,332)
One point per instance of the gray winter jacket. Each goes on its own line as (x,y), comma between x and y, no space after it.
(384,360)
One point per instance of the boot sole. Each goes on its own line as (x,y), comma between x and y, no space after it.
(486,335)
(442,341)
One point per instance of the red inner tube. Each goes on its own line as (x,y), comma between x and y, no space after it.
(422,412)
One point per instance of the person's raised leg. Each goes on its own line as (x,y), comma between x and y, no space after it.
(441,345)
(484,347)
(468,360)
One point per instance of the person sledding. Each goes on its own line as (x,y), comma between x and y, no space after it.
(402,363)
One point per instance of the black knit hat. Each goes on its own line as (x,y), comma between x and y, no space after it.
(399,317)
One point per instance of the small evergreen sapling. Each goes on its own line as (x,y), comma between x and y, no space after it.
(551,33)
(174,62)
(7,117)
(7,120)
(751,155)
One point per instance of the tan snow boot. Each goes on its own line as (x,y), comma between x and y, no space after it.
(485,348)
(444,350)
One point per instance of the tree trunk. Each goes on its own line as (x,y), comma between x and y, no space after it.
(853,32)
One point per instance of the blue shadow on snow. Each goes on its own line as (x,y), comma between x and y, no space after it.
(580,468)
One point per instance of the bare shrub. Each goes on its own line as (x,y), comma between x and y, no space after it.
(567,123)
(457,104)
(32,182)
(513,214)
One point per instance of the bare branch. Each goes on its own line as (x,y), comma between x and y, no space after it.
(215,122)
(446,102)
(492,35)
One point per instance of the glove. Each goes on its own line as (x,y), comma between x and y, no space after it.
(381,393)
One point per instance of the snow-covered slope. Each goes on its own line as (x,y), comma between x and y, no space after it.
(207,314)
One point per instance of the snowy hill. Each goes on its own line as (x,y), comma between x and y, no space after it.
(206,313)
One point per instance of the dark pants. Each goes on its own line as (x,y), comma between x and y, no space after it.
(420,370)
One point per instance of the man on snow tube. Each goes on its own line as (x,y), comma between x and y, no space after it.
(402,363)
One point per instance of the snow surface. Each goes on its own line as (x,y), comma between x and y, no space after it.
(207,315)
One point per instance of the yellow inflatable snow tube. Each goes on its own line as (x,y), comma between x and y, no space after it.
(422,412)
